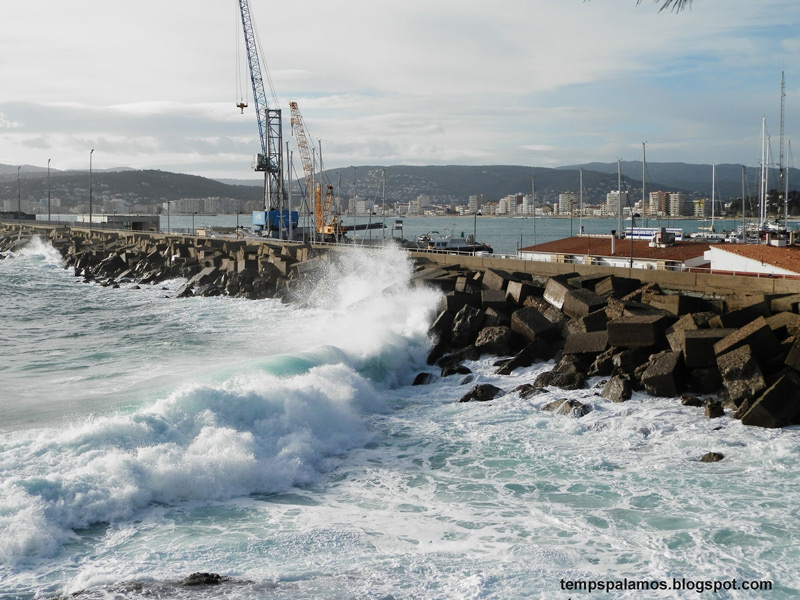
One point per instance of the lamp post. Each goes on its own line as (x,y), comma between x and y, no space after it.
(90,186)
(475,227)
(19,196)
(168,203)
(194,231)
(48,191)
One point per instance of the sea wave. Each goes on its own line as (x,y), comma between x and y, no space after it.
(287,393)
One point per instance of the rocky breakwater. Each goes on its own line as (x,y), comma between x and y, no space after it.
(211,266)
(738,355)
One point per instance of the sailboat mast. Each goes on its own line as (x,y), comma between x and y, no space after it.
(533,202)
(762,191)
(580,203)
(644,172)
(713,197)
(786,183)
(780,151)
(619,197)
(744,208)
(383,193)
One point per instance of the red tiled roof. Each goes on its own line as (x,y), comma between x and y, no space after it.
(786,257)
(601,246)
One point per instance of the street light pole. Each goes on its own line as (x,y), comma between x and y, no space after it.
(168,203)
(48,191)
(194,231)
(90,186)
(19,196)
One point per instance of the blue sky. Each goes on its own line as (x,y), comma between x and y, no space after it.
(152,84)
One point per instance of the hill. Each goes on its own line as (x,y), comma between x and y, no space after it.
(454,183)
(451,184)
(148,187)
(695,178)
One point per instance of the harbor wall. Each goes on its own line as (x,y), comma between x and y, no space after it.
(687,281)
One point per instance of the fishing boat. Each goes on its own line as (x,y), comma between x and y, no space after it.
(438,242)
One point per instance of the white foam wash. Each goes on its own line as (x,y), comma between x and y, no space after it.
(146,437)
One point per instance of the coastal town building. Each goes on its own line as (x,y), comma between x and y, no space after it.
(566,203)
(475,202)
(754,258)
(611,207)
(606,250)
(679,205)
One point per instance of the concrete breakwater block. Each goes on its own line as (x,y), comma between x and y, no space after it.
(636,331)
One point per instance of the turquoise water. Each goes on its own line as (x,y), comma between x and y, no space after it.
(143,438)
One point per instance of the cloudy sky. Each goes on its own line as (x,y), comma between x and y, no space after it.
(152,83)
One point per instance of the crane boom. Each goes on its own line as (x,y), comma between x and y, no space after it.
(270,160)
(326,223)
(299,129)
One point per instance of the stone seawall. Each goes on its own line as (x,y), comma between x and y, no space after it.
(735,352)
(212,266)
(719,342)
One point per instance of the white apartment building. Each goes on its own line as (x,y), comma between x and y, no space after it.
(679,205)
(566,203)
(475,202)
(611,207)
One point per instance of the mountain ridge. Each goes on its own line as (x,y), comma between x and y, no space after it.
(444,184)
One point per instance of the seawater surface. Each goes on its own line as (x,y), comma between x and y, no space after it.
(144,438)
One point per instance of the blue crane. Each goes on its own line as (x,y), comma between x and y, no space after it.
(270,160)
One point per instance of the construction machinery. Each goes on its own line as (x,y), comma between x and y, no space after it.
(326,223)
(274,218)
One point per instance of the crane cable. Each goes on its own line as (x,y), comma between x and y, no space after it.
(240,70)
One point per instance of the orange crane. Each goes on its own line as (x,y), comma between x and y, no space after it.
(327,224)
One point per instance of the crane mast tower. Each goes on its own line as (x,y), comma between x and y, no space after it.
(270,160)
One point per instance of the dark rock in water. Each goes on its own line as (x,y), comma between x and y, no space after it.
(466,325)
(455,370)
(456,358)
(443,325)
(663,376)
(712,457)
(494,340)
(691,401)
(564,406)
(564,381)
(536,350)
(627,361)
(203,579)
(482,393)
(424,379)
(714,409)
(603,364)
(778,406)
(526,390)
(705,381)
(618,389)
(441,348)
(741,374)
(184,291)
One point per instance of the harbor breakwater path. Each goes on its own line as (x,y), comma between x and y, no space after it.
(720,342)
